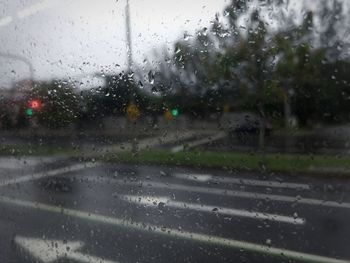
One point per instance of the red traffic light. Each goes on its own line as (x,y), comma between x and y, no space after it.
(34,104)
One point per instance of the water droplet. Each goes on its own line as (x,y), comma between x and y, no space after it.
(140,85)
(187,37)
(151,77)
(161,205)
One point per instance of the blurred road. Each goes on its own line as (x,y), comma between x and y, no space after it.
(65,210)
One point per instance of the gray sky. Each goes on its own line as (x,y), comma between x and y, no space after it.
(72,37)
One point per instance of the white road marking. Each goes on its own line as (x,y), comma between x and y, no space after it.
(250,182)
(20,163)
(49,250)
(39,175)
(154,201)
(175,233)
(194,177)
(240,194)
(149,142)
(206,140)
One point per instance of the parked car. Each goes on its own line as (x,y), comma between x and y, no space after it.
(244,123)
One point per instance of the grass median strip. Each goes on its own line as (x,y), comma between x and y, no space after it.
(242,161)
(292,163)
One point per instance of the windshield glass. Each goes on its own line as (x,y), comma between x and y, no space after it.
(174,131)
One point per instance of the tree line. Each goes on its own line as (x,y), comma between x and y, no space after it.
(255,56)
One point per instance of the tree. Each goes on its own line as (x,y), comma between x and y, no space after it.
(259,67)
(113,98)
(59,104)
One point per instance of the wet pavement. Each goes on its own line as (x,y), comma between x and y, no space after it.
(71,211)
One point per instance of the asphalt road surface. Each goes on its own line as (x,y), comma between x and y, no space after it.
(59,210)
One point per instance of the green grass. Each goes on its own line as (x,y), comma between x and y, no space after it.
(240,161)
(285,163)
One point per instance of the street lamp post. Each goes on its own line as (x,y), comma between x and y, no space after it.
(130,67)
(128,36)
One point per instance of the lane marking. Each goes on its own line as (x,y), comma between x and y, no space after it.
(194,177)
(155,201)
(206,140)
(39,175)
(49,250)
(175,233)
(250,182)
(240,194)
(20,163)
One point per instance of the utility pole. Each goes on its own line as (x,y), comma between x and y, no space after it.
(287,115)
(287,111)
(131,107)
(128,36)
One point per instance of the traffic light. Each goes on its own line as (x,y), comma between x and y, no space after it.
(171,114)
(29,112)
(175,112)
(33,105)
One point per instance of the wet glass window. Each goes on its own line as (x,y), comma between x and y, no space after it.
(174,131)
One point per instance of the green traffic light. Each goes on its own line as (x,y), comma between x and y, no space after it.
(29,112)
(175,112)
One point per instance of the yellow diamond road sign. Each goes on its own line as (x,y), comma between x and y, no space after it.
(168,116)
(227,108)
(133,112)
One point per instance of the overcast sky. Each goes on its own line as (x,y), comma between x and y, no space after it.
(72,37)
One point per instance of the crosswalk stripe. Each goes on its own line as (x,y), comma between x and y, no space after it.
(39,175)
(239,194)
(250,182)
(155,201)
(13,163)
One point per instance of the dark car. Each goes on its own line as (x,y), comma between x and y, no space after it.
(244,123)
